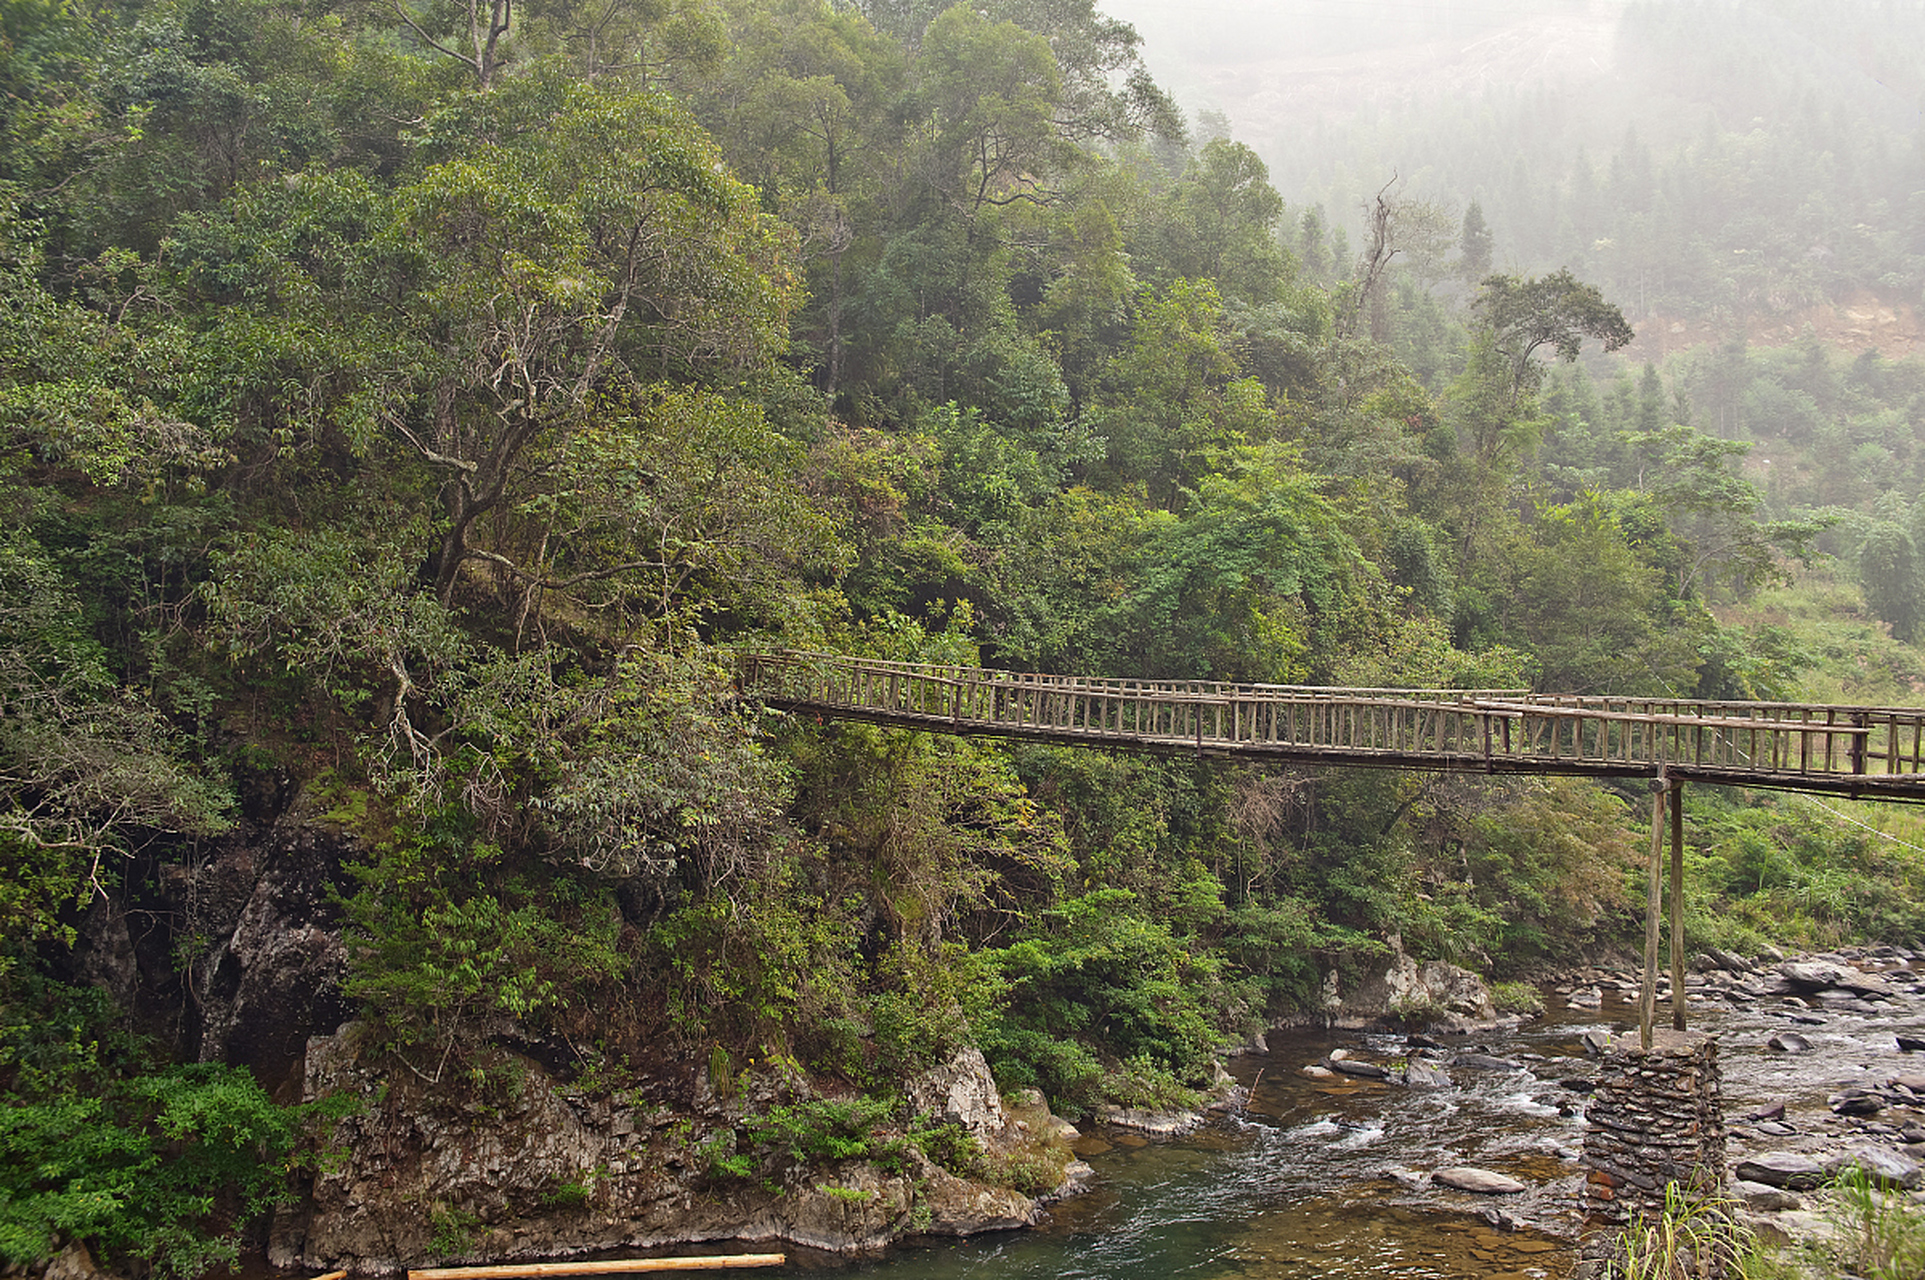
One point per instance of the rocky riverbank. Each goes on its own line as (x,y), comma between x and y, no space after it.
(1823,1064)
(535,1169)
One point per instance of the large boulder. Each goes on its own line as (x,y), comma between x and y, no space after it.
(536,1168)
(1823,975)
(961,1091)
(1436,993)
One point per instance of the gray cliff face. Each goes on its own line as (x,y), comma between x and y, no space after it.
(231,953)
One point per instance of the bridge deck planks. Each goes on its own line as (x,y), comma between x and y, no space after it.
(1860,751)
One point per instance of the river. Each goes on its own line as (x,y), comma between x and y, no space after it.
(1305,1182)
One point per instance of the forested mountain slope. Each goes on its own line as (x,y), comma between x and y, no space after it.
(407,409)
(1714,164)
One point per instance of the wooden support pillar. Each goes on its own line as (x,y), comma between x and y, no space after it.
(1653,904)
(1677,906)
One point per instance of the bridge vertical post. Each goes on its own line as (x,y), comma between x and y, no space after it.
(1677,907)
(1648,993)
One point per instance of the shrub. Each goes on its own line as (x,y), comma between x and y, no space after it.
(1517,997)
(164,1168)
(830,1129)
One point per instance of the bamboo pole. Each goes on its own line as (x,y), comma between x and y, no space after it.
(1677,906)
(1648,996)
(612,1266)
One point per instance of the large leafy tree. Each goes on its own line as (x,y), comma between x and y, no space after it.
(573,245)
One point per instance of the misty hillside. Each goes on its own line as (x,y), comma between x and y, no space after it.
(1713,166)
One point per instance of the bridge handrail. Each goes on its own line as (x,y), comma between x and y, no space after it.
(1221,689)
(1774,726)
(1859,750)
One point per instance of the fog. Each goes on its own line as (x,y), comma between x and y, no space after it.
(1674,150)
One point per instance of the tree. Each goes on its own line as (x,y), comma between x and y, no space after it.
(1558,311)
(1397,225)
(990,91)
(509,293)
(1251,584)
(1176,402)
(1890,570)
(1223,224)
(1474,244)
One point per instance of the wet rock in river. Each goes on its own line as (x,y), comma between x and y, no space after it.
(1776,1111)
(1484,1182)
(1596,1041)
(1789,1042)
(1781,1169)
(1855,1102)
(1486,1062)
(1421,1075)
(1911,1044)
(1359,1069)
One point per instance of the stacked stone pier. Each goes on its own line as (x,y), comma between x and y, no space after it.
(1656,1119)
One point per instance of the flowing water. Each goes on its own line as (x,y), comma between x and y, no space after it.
(1322,1176)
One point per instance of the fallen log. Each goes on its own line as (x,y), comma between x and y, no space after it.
(611,1266)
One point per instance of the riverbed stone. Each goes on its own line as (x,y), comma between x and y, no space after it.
(1791,1169)
(1484,1182)
(1855,1102)
(1887,1168)
(1764,1197)
(1360,1069)
(1421,1075)
(1486,1062)
(1789,1042)
(1821,976)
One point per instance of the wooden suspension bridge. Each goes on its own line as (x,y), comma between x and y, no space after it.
(1854,751)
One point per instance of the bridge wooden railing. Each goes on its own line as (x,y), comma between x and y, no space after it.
(1854,750)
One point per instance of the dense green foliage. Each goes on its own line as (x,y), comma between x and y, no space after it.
(421,403)
(160,1164)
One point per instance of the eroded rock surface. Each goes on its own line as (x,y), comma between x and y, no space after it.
(536,1169)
